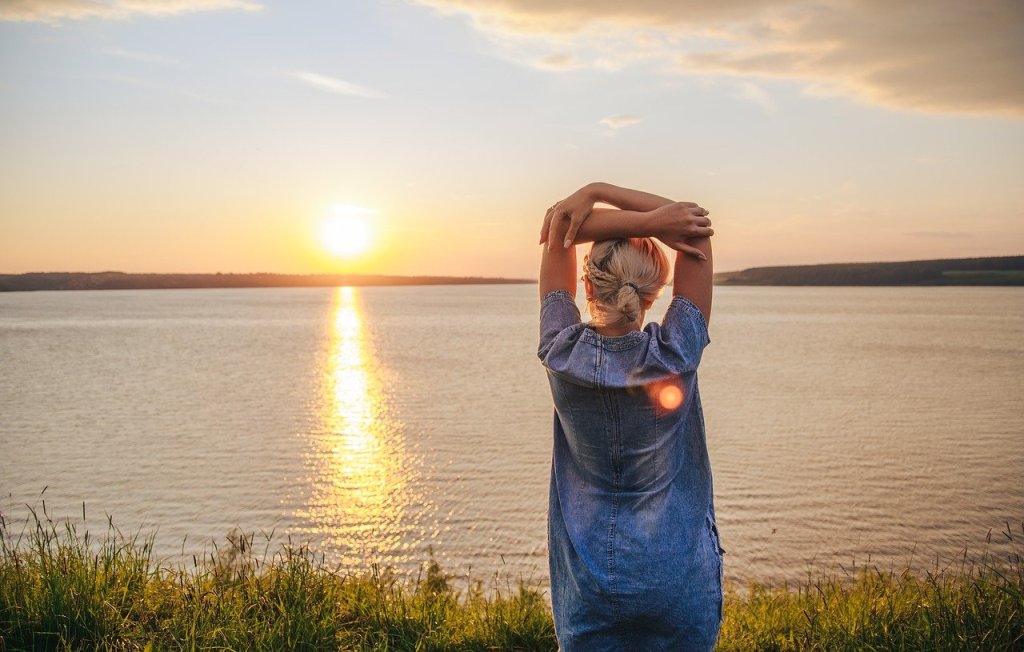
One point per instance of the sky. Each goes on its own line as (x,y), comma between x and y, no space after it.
(220,135)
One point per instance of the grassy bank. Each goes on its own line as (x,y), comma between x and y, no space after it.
(60,589)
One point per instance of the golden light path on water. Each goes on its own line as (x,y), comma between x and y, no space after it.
(358,496)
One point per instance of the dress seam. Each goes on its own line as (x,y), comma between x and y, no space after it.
(615,427)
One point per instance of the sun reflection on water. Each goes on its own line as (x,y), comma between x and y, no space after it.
(359,484)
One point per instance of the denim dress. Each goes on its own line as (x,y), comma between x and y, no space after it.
(633,548)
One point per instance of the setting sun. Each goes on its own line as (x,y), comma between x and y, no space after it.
(347,232)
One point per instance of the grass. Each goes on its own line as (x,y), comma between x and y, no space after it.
(957,607)
(62,590)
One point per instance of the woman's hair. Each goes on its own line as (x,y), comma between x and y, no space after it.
(626,275)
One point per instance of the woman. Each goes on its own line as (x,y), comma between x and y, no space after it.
(633,547)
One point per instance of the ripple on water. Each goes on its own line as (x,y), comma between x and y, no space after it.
(844,424)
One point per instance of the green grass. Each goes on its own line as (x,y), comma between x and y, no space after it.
(958,607)
(62,590)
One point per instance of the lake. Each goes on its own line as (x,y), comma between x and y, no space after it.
(845,426)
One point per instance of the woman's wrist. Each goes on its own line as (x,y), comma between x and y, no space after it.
(651,224)
(598,191)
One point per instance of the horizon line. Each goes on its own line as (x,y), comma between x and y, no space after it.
(501,278)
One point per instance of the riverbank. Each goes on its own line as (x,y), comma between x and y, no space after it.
(62,589)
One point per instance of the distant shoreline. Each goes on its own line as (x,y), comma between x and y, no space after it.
(990,271)
(35,281)
(997,271)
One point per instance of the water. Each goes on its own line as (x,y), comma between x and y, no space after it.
(845,425)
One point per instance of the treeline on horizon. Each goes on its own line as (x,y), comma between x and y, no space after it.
(126,281)
(1002,270)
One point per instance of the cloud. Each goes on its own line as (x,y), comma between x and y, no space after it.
(942,56)
(144,57)
(334,85)
(751,92)
(620,121)
(53,11)
(940,234)
(160,87)
(569,16)
(557,61)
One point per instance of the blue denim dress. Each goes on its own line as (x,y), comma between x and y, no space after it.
(633,548)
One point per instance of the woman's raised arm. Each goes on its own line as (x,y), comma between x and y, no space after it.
(673,223)
(557,270)
(693,277)
(575,209)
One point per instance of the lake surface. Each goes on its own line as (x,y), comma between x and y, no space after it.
(845,425)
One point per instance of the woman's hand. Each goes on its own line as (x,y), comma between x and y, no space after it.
(576,207)
(675,223)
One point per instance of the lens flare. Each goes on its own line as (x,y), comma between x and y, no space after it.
(666,395)
(670,397)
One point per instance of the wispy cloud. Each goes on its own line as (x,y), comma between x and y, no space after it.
(160,87)
(942,56)
(557,61)
(940,234)
(334,85)
(54,11)
(144,57)
(754,94)
(621,120)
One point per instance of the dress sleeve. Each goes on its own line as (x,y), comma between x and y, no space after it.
(683,335)
(558,311)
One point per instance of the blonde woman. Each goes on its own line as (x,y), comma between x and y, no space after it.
(634,553)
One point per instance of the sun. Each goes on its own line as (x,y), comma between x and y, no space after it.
(347,232)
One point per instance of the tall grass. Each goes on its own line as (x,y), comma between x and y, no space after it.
(61,589)
(977,606)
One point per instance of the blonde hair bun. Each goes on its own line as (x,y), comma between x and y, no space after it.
(627,275)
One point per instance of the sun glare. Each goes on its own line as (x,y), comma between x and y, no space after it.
(347,232)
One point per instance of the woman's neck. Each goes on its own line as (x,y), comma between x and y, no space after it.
(618,331)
